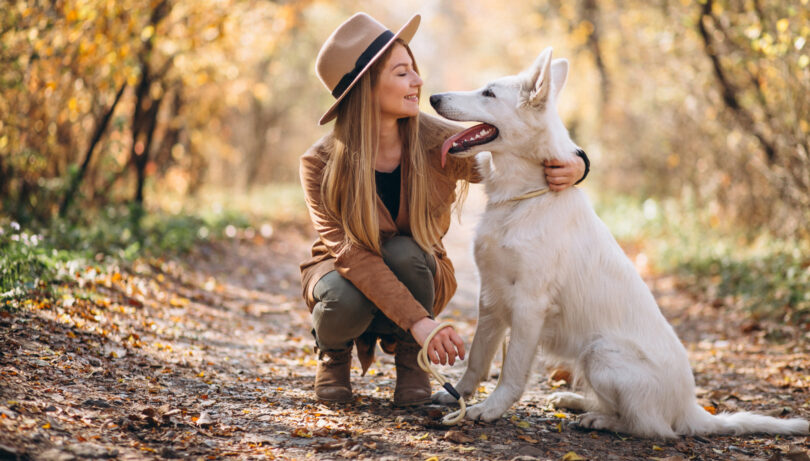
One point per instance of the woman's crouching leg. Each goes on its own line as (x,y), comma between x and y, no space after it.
(341,314)
(415,269)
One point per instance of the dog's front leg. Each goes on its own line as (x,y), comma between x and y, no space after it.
(488,337)
(527,324)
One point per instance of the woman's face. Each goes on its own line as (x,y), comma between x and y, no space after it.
(397,90)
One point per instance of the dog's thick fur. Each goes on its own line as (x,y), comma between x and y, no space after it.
(552,273)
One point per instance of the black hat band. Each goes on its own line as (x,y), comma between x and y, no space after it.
(362,62)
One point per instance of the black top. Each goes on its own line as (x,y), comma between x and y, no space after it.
(388,190)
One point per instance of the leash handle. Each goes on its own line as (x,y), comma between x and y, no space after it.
(452,390)
(424,363)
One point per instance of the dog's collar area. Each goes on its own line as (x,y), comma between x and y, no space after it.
(532,194)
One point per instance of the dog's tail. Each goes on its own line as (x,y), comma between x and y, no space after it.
(700,421)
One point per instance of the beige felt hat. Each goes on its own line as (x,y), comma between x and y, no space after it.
(351,50)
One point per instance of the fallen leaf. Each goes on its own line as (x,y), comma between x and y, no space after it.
(572,456)
(333,445)
(301,432)
(527,438)
(204,419)
(711,409)
(458,437)
(561,374)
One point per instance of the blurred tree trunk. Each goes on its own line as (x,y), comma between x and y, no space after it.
(589,11)
(171,134)
(4,179)
(147,105)
(101,127)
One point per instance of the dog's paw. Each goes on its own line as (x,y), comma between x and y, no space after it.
(483,412)
(567,400)
(600,421)
(443,397)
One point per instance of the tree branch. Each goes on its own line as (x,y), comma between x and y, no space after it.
(729,91)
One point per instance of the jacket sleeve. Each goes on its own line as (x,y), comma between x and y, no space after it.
(365,269)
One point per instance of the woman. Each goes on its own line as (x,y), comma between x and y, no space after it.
(381,203)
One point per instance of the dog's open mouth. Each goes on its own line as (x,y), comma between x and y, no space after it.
(473,136)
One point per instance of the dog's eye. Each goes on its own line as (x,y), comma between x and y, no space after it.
(488,93)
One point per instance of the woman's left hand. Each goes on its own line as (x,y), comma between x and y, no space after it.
(562,175)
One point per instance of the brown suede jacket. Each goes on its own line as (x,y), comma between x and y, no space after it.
(364,268)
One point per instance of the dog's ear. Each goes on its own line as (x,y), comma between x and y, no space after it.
(540,78)
(559,74)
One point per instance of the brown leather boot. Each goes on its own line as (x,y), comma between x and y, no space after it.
(413,384)
(332,382)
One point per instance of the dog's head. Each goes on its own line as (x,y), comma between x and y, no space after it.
(518,113)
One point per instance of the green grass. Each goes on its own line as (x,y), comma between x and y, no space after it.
(34,260)
(768,276)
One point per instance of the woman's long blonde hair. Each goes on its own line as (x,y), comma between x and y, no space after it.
(349,186)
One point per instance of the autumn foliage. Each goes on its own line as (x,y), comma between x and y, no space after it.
(700,100)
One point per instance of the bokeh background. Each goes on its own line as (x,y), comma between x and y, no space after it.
(695,113)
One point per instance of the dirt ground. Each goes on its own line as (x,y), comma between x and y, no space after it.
(209,356)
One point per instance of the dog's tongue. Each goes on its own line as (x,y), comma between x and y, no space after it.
(468,133)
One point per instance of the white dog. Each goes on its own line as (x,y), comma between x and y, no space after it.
(552,273)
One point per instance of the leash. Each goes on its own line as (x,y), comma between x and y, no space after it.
(450,419)
(422,359)
(532,194)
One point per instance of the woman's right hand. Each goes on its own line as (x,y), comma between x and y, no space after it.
(446,344)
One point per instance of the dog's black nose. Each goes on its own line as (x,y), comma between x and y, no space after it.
(435,99)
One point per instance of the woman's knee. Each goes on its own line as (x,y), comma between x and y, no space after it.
(413,267)
(403,253)
(341,312)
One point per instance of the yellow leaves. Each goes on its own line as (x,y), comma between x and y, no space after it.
(673,160)
(803,62)
(147,32)
(560,415)
(581,32)
(302,433)
(657,448)
(432,458)
(572,456)
(782,25)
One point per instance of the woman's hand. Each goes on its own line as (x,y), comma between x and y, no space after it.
(562,175)
(445,345)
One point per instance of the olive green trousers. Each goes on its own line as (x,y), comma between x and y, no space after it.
(342,313)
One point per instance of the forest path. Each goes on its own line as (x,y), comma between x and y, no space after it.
(209,356)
